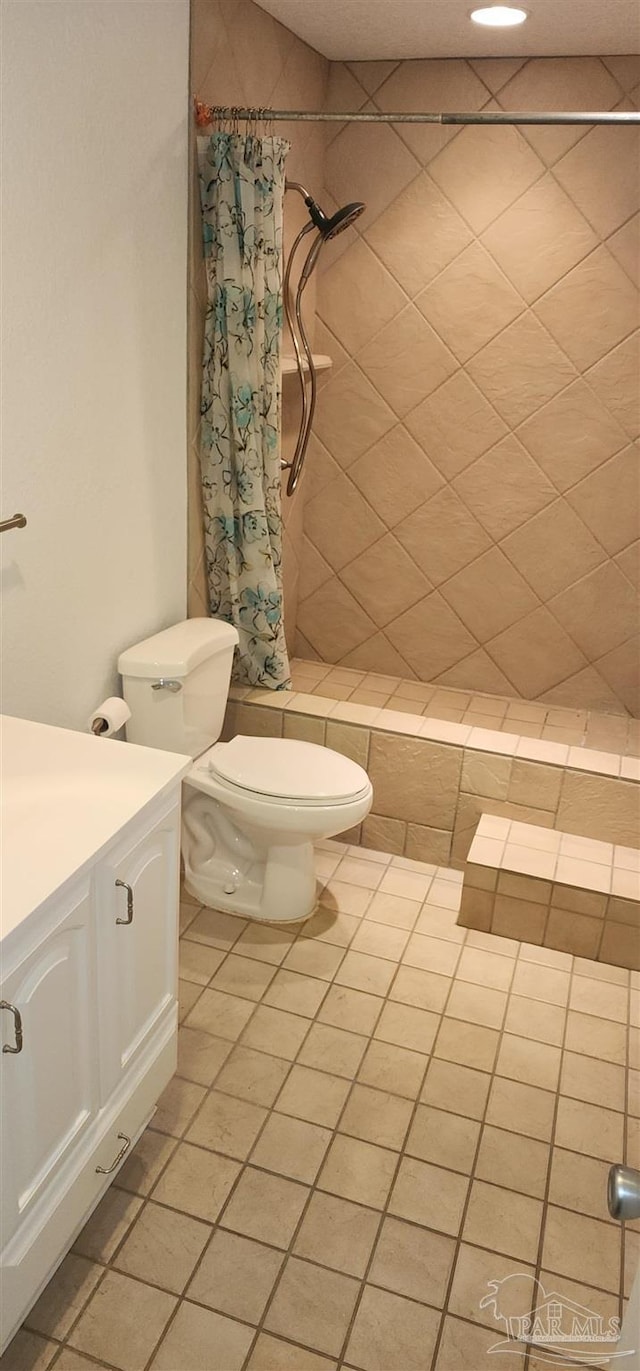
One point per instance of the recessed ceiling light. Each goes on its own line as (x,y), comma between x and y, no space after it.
(499,16)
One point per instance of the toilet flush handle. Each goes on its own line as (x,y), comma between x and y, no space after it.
(165,684)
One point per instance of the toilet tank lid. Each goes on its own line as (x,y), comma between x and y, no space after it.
(178,650)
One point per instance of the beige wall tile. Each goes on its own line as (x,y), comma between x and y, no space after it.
(406,361)
(521,369)
(597,285)
(570,932)
(608,501)
(553,549)
(504,488)
(395,476)
(598,807)
(398,235)
(428,844)
(563,237)
(415,780)
(469,302)
(620,945)
(455,424)
(489,595)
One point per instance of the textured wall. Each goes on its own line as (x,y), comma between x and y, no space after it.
(241,56)
(472,494)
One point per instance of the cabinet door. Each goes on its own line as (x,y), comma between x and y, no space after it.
(48,1089)
(137,946)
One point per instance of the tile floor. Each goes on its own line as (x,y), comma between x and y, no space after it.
(578,727)
(375,1114)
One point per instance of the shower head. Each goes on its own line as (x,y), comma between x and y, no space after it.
(341,220)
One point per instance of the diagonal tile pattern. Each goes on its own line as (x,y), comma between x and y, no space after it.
(319,1204)
(518,250)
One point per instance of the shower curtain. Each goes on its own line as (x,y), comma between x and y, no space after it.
(242,192)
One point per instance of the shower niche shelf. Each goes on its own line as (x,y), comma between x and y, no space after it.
(322,363)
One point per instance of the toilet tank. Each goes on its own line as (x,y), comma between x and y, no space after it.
(176,685)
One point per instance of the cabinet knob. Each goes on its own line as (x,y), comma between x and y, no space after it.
(17,1023)
(129,919)
(126,1144)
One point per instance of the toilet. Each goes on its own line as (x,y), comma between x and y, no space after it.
(252,807)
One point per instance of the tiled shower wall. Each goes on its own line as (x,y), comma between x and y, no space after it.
(241,56)
(471,509)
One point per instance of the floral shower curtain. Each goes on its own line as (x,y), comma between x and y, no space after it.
(242,192)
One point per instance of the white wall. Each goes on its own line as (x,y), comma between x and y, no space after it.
(94,229)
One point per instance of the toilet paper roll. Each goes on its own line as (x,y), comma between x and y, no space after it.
(110,716)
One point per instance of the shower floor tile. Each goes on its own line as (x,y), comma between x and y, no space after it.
(367,1144)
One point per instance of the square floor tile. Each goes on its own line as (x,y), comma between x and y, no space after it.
(592,996)
(405,1026)
(200,1056)
(216,929)
(123,1322)
(198,963)
(595,1037)
(431,954)
(223,1015)
(331,926)
(337,1233)
(393,910)
(313,1095)
(376,1116)
(429,1195)
(163,1247)
(513,1161)
(485,968)
(503,1221)
(227,1124)
(541,983)
(475,1004)
(358,1171)
(522,1059)
(589,1129)
(422,989)
(243,976)
(265,1207)
(475,1269)
(521,1109)
(350,1009)
(313,1305)
(468,1044)
(412,1261)
(273,1354)
(292,1147)
(312,957)
(271,1030)
(196,1182)
(333,1049)
(594,1082)
(265,943)
(394,1069)
(236,1276)
(295,993)
(253,1076)
(391,1331)
(465,1347)
(534,1019)
(445,1139)
(582,1248)
(362,972)
(200,1340)
(458,1088)
(380,940)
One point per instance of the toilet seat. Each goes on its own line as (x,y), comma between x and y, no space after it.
(284,770)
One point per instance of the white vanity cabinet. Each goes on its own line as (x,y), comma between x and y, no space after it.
(88,1025)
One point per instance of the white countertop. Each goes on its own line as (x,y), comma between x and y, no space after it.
(64,796)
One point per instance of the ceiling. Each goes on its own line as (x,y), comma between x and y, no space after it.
(369,30)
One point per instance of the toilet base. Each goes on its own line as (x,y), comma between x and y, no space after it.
(280,889)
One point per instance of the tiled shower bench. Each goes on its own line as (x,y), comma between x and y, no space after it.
(555,889)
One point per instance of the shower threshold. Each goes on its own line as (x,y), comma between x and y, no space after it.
(616,733)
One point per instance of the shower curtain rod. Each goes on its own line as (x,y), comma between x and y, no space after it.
(206,114)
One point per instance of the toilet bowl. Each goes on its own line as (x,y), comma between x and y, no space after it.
(252,807)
